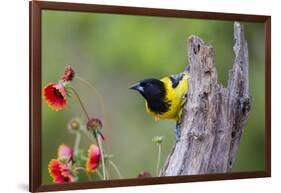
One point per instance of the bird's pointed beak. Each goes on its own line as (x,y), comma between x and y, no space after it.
(137,87)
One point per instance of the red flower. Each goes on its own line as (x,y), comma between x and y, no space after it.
(60,172)
(68,74)
(144,174)
(55,95)
(65,151)
(93,160)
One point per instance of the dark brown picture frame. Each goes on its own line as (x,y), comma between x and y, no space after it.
(36,7)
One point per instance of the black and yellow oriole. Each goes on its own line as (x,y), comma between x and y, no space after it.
(164,98)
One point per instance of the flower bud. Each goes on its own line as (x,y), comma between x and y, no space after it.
(65,151)
(158,139)
(68,74)
(74,125)
(94,124)
(144,174)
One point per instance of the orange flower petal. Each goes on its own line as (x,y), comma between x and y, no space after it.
(55,96)
(60,172)
(93,158)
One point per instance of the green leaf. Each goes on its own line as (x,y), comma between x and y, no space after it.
(68,88)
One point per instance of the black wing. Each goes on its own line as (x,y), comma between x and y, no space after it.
(175,79)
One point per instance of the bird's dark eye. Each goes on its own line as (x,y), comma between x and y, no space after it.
(145,84)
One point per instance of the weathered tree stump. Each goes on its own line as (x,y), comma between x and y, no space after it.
(214,116)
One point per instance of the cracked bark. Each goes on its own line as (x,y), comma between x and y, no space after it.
(214,116)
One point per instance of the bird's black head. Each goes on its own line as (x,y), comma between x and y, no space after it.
(151,89)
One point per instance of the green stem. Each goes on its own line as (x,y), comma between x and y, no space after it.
(158,160)
(101,102)
(80,102)
(115,168)
(77,143)
(98,139)
(84,158)
(88,117)
(106,170)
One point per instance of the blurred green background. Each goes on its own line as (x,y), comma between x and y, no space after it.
(114,51)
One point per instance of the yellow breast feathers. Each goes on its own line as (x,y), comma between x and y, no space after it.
(176,87)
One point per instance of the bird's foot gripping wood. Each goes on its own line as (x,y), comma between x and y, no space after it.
(178,131)
(179,121)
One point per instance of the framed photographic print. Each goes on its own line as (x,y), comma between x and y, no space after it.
(124,96)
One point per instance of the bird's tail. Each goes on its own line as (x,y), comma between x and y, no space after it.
(187,69)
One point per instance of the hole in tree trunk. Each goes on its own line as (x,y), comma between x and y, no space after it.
(233,134)
(196,49)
